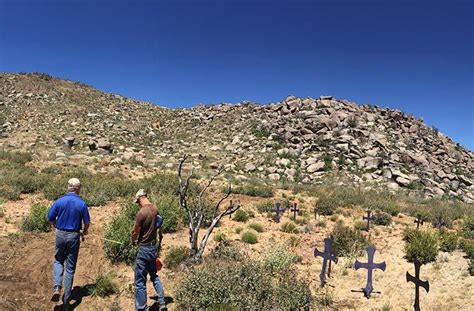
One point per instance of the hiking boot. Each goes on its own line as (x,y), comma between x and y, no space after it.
(162,308)
(56,293)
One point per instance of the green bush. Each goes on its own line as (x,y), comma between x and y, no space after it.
(289,227)
(238,230)
(249,237)
(220,237)
(9,192)
(360,225)
(227,250)
(241,216)
(422,245)
(292,293)
(468,226)
(104,285)
(257,227)
(36,220)
(448,241)
(467,245)
(408,233)
(175,256)
(278,259)
(255,190)
(230,285)
(347,241)
(470,269)
(168,206)
(265,207)
(326,205)
(117,246)
(382,219)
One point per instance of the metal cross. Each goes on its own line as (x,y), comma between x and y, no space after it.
(368,218)
(440,222)
(418,282)
(278,210)
(370,266)
(295,210)
(328,254)
(418,221)
(231,205)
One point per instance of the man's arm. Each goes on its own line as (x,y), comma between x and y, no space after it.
(136,229)
(87,220)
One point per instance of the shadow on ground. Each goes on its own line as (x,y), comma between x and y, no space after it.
(78,292)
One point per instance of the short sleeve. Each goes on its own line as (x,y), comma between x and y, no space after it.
(85,217)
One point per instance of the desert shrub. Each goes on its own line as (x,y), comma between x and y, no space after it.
(292,293)
(235,285)
(382,219)
(360,225)
(468,226)
(230,285)
(278,259)
(227,250)
(168,206)
(104,285)
(422,245)
(36,220)
(238,230)
(347,241)
(382,201)
(220,237)
(257,227)
(249,237)
(175,256)
(289,227)
(265,207)
(241,216)
(326,205)
(408,233)
(447,241)
(325,297)
(117,246)
(470,268)
(9,192)
(467,245)
(255,190)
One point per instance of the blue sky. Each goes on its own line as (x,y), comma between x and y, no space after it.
(416,56)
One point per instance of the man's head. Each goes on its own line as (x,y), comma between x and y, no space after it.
(140,195)
(74,185)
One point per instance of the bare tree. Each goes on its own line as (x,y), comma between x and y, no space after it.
(195,211)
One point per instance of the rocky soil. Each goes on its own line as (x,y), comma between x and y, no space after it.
(295,140)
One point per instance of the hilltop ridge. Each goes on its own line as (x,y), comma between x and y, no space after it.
(297,140)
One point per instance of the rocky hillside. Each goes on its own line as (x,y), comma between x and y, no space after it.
(295,140)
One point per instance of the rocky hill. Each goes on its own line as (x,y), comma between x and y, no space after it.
(295,140)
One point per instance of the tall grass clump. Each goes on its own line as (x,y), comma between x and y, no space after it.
(347,241)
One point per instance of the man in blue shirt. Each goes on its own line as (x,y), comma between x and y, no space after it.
(67,214)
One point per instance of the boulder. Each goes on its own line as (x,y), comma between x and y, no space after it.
(318,166)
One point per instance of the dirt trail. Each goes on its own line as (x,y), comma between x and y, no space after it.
(26,261)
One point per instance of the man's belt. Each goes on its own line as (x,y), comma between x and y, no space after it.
(68,230)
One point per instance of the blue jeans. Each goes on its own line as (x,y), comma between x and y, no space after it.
(146,263)
(67,249)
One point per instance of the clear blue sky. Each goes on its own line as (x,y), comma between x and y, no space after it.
(416,56)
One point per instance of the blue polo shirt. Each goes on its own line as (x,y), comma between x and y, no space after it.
(69,212)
